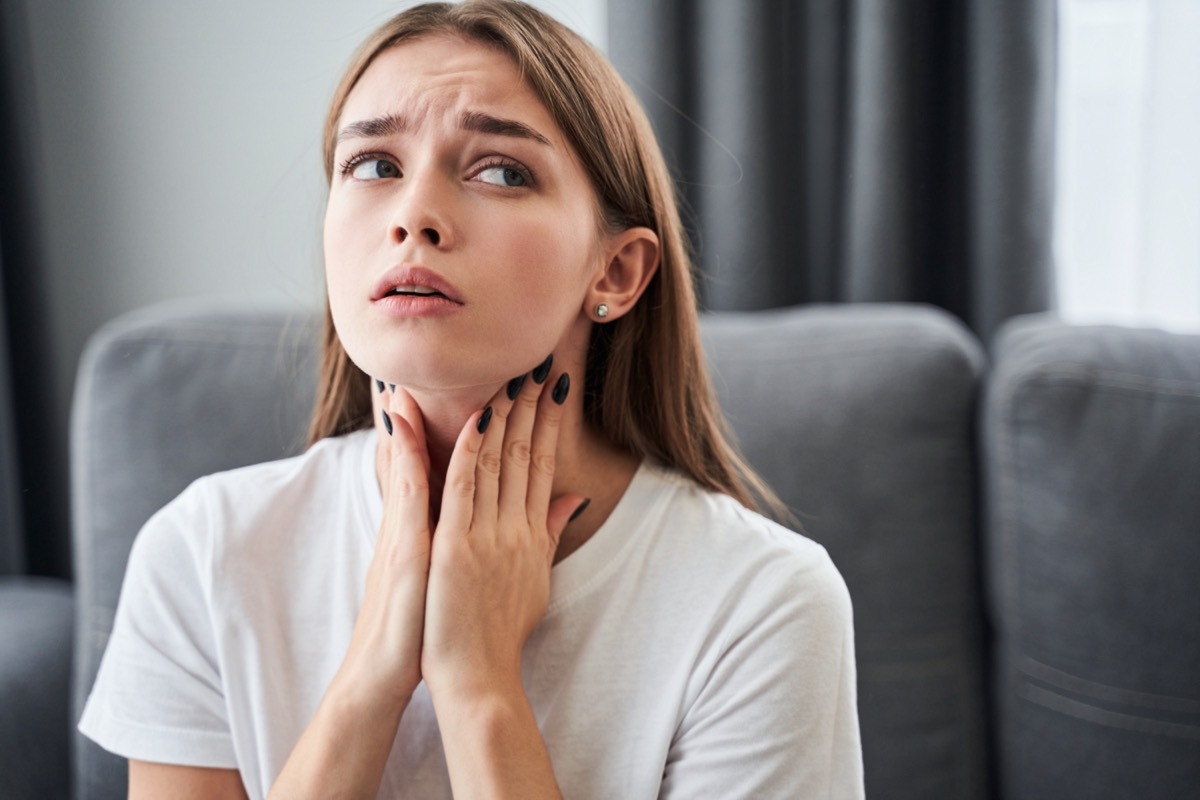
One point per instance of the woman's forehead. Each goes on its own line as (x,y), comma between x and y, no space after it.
(444,78)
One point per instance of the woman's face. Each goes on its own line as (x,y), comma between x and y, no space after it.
(460,234)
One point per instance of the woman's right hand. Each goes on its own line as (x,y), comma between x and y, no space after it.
(384,658)
(345,747)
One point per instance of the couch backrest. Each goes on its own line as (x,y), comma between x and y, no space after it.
(860,416)
(1092,455)
(164,396)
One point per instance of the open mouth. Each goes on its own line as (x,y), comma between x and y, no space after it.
(414,291)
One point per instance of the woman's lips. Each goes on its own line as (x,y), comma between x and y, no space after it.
(414,282)
(416,305)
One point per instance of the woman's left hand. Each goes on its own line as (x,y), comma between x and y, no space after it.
(489,580)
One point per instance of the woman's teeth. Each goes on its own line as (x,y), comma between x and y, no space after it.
(421,290)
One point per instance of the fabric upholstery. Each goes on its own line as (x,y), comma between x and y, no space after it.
(163,397)
(1092,439)
(861,418)
(35,659)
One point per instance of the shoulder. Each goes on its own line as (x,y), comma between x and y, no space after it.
(244,506)
(717,532)
(704,555)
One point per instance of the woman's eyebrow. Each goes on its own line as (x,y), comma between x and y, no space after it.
(486,123)
(390,124)
(374,128)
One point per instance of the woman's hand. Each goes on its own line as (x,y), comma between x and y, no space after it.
(489,580)
(384,658)
(345,747)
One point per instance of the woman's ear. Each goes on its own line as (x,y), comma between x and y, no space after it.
(632,259)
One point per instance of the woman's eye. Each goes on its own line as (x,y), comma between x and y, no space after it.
(370,169)
(502,176)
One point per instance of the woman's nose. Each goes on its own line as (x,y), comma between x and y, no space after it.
(424,211)
(430,234)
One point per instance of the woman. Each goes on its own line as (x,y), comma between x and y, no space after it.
(473,583)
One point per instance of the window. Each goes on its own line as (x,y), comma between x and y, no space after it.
(1127,239)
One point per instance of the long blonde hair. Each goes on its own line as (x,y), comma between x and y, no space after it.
(647,387)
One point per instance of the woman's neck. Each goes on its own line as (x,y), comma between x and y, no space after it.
(585,462)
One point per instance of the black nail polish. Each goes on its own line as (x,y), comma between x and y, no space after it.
(580,510)
(514,387)
(379,385)
(485,419)
(561,388)
(542,370)
(387,422)
(393,386)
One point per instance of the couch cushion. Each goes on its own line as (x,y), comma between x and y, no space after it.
(861,417)
(164,396)
(1092,437)
(35,662)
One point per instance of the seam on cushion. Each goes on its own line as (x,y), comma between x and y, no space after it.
(816,352)
(1110,379)
(1099,716)
(214,343)
(1101,691)
(1008,496)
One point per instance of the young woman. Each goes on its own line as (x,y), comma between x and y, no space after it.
(473,583)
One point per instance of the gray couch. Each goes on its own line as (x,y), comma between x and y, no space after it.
(1021,541)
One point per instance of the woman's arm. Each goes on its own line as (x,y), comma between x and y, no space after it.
(345,747)
(489,586)
(150,781)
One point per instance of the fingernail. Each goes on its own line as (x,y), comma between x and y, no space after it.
(514,386)
(387,422)
(485,419)
(561,388)
(393,386)
(542,370)
(580,510)
(379,384)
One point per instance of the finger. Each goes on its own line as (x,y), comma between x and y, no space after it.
(518,446)
(402,403)
(545,448)
(562,512)
(458,496)
(487,466)
(405,482)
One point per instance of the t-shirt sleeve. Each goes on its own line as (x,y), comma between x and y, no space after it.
(158,695)
(777,716)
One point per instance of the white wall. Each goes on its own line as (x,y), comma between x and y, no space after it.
(178,149)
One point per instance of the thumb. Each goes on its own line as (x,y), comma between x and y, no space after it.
(562,511)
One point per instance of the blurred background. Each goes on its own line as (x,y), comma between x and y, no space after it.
(989,157)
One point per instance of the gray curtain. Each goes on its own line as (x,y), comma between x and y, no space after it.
(856,150)
(34,533)
(12,546)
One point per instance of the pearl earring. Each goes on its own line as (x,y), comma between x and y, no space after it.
(602,310)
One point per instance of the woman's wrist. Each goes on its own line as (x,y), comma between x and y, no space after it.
(361,698)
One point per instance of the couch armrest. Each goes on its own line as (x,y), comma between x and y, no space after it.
(35,669)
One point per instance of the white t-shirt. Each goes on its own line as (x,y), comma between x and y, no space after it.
(691,647)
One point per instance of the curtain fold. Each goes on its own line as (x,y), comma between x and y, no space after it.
(35,533)
(856,150)
(12,549)
(12,545)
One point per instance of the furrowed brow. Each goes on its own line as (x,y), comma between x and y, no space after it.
(485,123)
(375,128)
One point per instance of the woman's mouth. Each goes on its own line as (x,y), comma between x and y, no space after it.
(414,290)
(411,291)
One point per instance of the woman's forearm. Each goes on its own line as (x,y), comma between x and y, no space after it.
(493,746)
(344,749)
